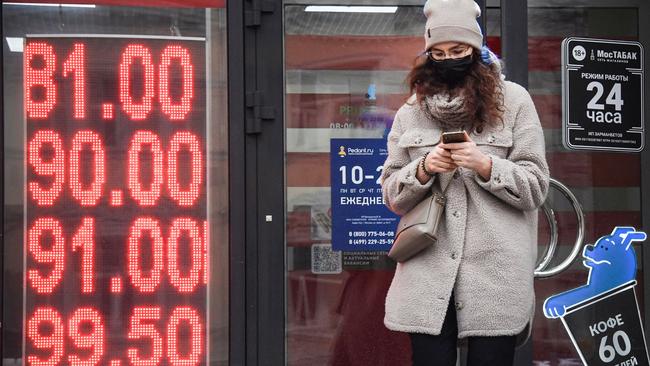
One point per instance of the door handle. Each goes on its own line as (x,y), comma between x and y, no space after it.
(552,244)
(540,270)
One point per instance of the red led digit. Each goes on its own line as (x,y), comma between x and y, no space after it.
(87,197)
(55,256)
(188,141)
(142,196)
(116,198)
(51,341)
(54,168)
(142,283)
(136,111)
(107,111)
(206,252)
(76,64)
(138,330)
(93,339)
(177,111)
(187,283)
(41,77)
(84,240)
(188,317)
(116,285)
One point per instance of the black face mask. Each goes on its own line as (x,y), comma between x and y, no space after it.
(453,70)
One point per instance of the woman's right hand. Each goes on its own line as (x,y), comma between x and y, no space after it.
(439,161)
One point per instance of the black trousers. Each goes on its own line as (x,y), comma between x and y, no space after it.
(440,350)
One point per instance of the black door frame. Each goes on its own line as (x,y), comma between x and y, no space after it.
(644,38)
(2,178)
(257,261)
(236,169)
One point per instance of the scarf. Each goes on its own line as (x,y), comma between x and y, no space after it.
(447,111)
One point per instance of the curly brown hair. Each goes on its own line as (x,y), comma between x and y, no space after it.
(481,87)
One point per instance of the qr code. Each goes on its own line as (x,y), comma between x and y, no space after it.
(324,260)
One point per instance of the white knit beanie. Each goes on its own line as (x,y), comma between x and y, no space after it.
(452,21)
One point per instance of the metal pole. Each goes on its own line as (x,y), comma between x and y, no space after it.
(514,40)
(482,20)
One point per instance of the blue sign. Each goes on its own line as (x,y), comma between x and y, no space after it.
(602,317)
(360,219)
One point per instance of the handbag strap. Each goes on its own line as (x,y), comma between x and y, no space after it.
(444,190)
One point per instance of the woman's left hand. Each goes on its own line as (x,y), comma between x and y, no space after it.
(467,155)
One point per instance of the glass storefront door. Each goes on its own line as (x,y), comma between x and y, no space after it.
(607,185)
(344,73)
(333,62)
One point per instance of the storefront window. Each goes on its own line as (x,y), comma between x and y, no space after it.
(344,79)
(116,181)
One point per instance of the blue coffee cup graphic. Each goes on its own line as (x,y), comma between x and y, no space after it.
(602,317)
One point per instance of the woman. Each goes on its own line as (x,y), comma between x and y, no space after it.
(476,282)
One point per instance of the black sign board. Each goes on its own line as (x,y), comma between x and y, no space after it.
(606,330)
(602,89)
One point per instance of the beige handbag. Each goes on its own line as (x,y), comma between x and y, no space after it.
(417,228)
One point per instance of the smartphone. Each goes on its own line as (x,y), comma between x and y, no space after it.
(452,137)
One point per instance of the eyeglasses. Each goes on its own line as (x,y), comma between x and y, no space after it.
(456,53)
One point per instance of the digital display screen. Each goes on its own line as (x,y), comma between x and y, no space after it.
(116,241)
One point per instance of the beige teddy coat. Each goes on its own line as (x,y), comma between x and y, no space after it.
(487,241)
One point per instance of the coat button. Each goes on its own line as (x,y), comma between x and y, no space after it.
(456,214)
(453,255)
(418,140)
(491,139)
(459,305)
